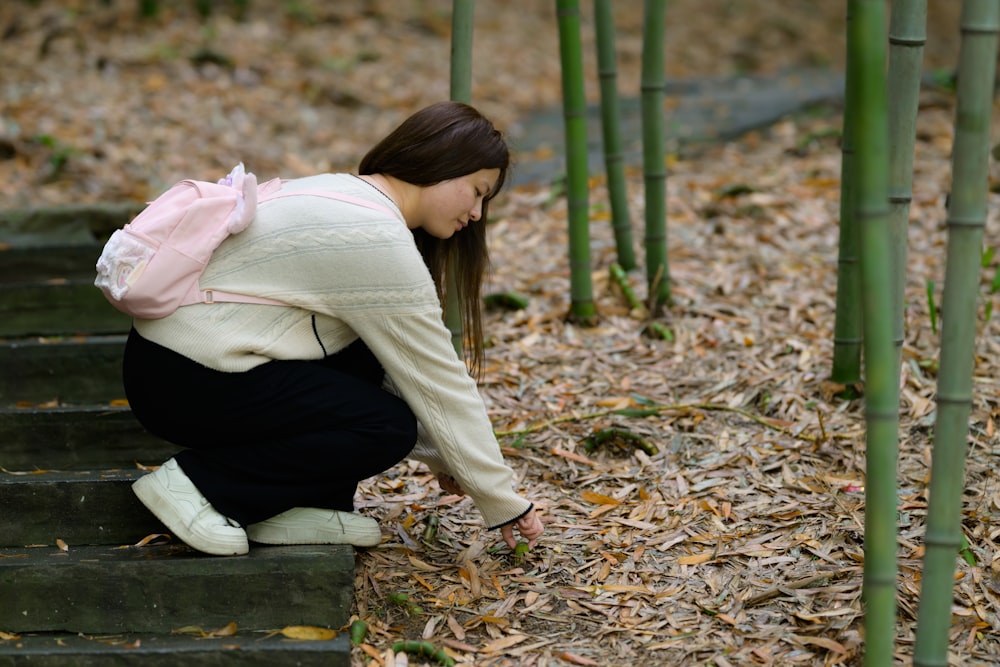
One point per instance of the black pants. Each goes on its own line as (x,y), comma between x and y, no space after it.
(284,434)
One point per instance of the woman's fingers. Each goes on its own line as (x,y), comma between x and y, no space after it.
(530,526)
(508,535)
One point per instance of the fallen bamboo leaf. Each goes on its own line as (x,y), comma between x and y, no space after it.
(372,653)
(696,559)
(577,659)
(503,643)
(598,498)
(148,539)
(502,622)
(824,642)
(459,645)
(572,456)
(311,633)
(829,613)
(228,630)
(619,403)
(24,472)
(421,565)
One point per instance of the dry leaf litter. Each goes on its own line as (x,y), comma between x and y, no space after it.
(739,539)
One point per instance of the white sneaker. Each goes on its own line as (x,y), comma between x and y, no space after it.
(176,501)
(310,525)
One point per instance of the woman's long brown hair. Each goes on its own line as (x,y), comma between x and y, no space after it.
(440,142)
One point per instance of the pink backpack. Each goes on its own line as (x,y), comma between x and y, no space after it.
(151,267)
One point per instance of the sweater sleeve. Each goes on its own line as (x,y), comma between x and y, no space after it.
(416,352)
(423,451)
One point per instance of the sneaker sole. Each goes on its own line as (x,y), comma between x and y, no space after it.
(151,493)
(312,532)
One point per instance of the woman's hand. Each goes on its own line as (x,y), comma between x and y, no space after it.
(530,527)
(449,484)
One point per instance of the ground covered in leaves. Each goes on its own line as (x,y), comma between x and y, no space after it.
(726,526)
(740,541)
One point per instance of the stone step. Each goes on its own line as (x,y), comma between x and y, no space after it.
(162,588)
(244,649)
(80,371)
(79,438)
(38,264)
(87,507)
(82,224)
(73,307)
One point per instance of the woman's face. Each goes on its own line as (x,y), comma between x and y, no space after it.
(450,206)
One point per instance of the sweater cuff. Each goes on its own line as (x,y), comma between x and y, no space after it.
(531,506)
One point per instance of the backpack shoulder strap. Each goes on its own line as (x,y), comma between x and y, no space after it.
(198,295)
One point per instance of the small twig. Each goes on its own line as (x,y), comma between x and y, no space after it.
(822,428)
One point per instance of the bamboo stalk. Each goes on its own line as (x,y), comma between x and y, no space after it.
(966,218)
(461,91)
(461,50)
(614,164)
(907,35)
(654,166)
(577,192)
(847,321)
(867,34)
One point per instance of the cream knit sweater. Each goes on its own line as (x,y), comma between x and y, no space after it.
(359,272)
